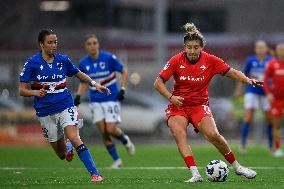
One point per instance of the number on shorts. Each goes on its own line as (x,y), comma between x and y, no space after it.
(207,109)
(45,132)
(113,109)
(71,113)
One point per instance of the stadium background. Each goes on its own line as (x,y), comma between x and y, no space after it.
(143,34)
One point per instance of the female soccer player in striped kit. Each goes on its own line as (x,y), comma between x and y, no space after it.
(44,78)
(192,70)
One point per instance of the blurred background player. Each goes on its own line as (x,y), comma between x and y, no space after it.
(103,66)
(44,78)
(274,89)
(192,70)
(254,97)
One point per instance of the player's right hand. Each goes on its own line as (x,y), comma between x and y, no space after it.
(177,100)
(40,93)
(77,100)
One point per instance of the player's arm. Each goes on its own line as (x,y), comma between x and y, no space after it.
(267,75)
(25,91)
(85,78)
(123,83)
(240,76)
(124,76)
(160,86)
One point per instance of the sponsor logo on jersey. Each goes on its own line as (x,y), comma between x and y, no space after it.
(190,78)
(41,67)
(167,66)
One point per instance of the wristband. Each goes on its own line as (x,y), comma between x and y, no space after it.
(93,83)
(171,97)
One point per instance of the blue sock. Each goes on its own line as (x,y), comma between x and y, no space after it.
(87,159)
(269,135)
(244,133)
(122,138)
(112,151)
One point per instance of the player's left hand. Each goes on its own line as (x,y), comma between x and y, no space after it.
(121,94)
(256,83)
(100,88)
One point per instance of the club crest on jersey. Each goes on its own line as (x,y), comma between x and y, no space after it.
(167,66)
(182,66)
(102,65)
(59,66)
(202,67)
(87,68)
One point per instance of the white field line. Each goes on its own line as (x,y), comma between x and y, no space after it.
(129,168)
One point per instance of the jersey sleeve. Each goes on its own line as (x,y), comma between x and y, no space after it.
(220,67)
(25,75)
(117,66)
(247,67)
(71,69)
(168,70)
(267,76)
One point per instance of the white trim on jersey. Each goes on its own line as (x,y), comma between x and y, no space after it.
(108,84)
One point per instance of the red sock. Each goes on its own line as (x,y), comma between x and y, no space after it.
(230,157)
(189,161)
(277,143)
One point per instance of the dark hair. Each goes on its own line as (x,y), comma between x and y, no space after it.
(43,33)
(192,33)
(90,35)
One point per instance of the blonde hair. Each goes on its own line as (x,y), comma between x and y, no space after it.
(192,33)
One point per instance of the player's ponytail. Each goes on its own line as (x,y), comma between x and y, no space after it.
(192,33)
(43,33)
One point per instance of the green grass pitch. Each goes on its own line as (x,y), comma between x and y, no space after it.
(154,166)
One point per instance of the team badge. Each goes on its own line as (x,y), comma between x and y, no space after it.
(167,66)
(59,66)
(202,67)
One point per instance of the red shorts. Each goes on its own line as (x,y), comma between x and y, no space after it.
(193,114)
(276,109)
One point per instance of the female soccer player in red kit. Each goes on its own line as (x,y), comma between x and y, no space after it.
(274,89)
(192,70)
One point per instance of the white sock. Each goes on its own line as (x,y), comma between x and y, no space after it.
(235,164)
(194,170)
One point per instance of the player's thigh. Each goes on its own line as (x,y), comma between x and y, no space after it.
(51,130)
(97,112)
(178,125)
(251,101)
(112,111)
(264,104)
(208,127)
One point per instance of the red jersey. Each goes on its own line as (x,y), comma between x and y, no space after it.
(274,79)
(192,79)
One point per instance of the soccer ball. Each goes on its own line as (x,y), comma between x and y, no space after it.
(217,171)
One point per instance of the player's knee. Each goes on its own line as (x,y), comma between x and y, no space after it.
(213,136)
(177,132)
